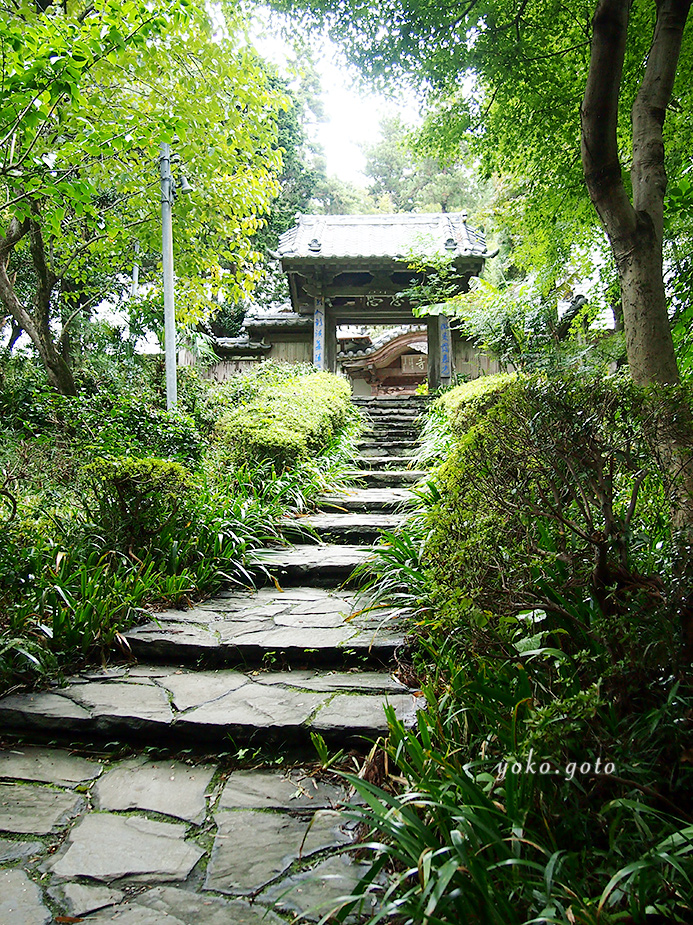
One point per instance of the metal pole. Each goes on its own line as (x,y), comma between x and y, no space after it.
(167,255)
(135,272)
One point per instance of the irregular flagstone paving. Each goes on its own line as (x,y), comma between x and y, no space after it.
(151,841)
(305,623)
(192,705)
(261,832)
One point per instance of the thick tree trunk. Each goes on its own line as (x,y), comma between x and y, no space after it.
(635,231)
(35,324)
(649,344)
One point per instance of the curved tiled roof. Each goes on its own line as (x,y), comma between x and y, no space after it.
(399,236)
(382,340)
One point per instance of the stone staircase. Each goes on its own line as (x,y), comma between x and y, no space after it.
(246,670)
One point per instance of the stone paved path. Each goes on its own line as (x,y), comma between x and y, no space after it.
(149,836)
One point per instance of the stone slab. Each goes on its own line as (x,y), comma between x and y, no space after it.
(256,706)
(81,900)
(133,914)
(195,909)
(252,848)
(384,461)
(320,563)
(141,705)
(50,765)
(331,681)
(20,900)
(168,787)
(28,809)
(44,710)
(193,688)
(107,847)
(293,790)
(367,499)
(314,893)
(363,713)
(13,850)
(354,520)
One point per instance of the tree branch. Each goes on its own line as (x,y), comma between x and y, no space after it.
(599,121)
(649,110)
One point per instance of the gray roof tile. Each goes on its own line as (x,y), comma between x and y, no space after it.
(385,236)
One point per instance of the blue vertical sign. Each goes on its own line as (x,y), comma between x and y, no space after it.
(445,348)
(319,333)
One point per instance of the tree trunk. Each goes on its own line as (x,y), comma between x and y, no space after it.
(635,230)
(649,344)
(35,324)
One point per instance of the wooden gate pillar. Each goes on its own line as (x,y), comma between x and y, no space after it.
(324,337)
(439,352)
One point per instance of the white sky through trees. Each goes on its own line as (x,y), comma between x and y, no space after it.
(352,115)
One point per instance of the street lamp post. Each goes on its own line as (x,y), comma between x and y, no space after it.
(167,194)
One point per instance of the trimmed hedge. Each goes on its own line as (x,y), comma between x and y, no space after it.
(285,421)
(467,403)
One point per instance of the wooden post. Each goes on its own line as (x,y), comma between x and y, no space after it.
(324,337)
(319,333)
(330,342)
(445,350)
(439,352)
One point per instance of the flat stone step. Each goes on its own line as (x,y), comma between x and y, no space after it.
(171,705)
(387,448)
(294,627)
(390,432)
(386,500)
(398,415)
(390,477)
(359,528)
(383,462)
(323,565)
(414,401)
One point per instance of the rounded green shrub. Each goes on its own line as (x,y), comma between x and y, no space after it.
(286,421)
(132,500)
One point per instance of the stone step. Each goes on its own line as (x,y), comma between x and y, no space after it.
(185,708)
(155,840)
(391,431)
(385,500)
(293,627)
(324,565)
(387,447)
(382,401)
(389,414)
(360,528)
(382,462)
(389,477)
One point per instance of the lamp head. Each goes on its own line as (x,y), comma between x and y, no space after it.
(185,187)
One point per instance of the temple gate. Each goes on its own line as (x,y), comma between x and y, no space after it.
(354,269)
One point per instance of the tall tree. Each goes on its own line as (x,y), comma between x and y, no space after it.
(532,84)
(90,91)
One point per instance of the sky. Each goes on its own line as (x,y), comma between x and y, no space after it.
(352,115)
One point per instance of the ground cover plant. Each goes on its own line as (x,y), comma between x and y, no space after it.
(112,506)
(549,778)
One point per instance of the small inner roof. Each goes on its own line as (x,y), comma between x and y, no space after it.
(399,236)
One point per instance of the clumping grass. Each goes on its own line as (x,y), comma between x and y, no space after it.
(98,529)
(547,779)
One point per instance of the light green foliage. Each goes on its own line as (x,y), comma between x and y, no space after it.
(453,413)
(91,98)
(407,181)
(88,541)
(553,499)
(289,418)
(134,500)
(467,403)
